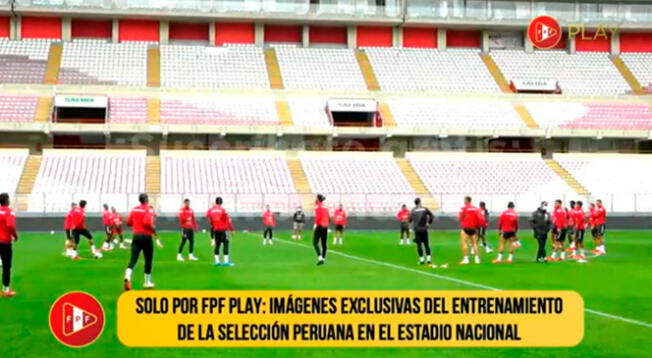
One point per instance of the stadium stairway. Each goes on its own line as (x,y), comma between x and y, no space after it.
(496,73)
(627,75)
(301,184)
(298,176)
(273,69)
(153,175)
(386,115)
(284,113)
(567,177)
(367,70)
(526,117)
(54,64)
(417,184)
(27,180)
(43,109)
(154,66)
(154,111)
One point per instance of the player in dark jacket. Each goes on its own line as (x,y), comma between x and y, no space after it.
(421,219)
(541,222)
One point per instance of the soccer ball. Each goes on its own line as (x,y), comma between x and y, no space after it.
(98,255)
(52,232)
(203,231)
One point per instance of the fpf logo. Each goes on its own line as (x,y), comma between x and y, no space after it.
(76,319)
(544,32)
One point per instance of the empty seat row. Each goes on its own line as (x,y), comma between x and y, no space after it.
(103,63)
(213,67)
(23,61)
(12,162)
(17,108)
(427,70)
(590,73)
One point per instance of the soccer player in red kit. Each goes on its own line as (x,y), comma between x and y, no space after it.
(188,228)
(507,229)
(67,226)
(269,222)
(579,221)
(339,217)
(403,217)
(141,220)
(471,220)
(559,224)
(116,227)
(599,221)
(106,221)
(8,235)
(220,224)
(320,235)
(79,229)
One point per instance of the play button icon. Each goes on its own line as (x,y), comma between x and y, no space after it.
(76,319)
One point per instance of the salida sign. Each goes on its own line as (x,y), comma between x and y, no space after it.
(545,32)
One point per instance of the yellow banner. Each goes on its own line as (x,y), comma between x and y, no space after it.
(350,318)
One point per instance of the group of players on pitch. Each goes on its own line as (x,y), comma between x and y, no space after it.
(563,222)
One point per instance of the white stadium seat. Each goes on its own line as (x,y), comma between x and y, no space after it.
(620,180)
(23,61)
(429,70)
(246,180)
(492,177)
(362,182)
(12,162)
(219,110)
(17,108)
(231,66)
(94,62)
(320,69)
(454,113)
(590,73)
(128,110)
(592,115)
(97,176)
(640,63)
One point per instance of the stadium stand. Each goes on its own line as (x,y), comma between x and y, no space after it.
(590,73)
(94,175)
(23,61)
(495,178)
(234,66)
(427,70)
(620,180)
(595,115)
(12,162)
(128,110)
(640,63)
(219,110)
(364,182)
(320,69)
(309,112)
(258,178)
(454,113)
(17,108)
(94,62)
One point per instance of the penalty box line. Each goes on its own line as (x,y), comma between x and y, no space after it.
(458,281)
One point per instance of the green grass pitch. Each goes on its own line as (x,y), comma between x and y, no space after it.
(619,284)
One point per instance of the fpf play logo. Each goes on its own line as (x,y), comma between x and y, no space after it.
(76,319)
(544,32)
